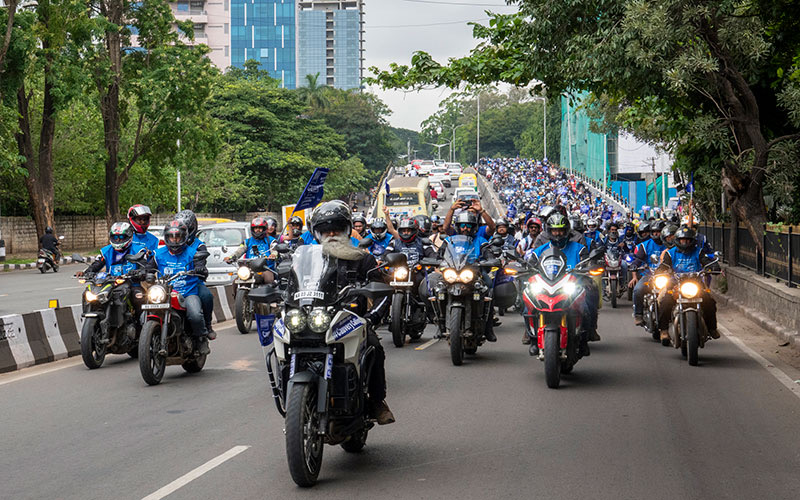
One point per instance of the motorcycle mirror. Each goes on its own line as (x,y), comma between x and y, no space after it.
(396,259)
(426,241)
(497,241)
(135,257)
(430,261)
(78,258)
(258,264)
(265,295)
(282,248)
(491,263)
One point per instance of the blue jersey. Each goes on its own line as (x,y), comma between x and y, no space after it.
(147,240)
(572,251)
(262,246)
(171,264)
(308,238)
(686,262)
(651,248)
(474,250)
(116,265)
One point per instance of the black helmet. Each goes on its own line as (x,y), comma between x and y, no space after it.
(48,230)
(378,228)
(296,221)
(425,225)
(655,231)
(176,236)
(272,224)
(558,223)
(576,223)
(644,227)
(685,233)
(668,235)
(190,221)
(331,216)
(258,222)
(359,217)
(466,223)
(120,235)
(408,230)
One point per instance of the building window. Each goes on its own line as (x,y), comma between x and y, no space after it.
(227,5)
(264,53)
(227,51)
(183,6)
(199,30)
(227,28)
(196,6)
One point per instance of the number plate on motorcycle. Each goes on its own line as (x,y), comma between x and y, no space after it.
(689,301)
(400,283)
(155,306)
(309,294)
(40,261)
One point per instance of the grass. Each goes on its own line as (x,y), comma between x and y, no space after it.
(18,261)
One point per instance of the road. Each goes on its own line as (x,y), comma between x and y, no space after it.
(28,290)
(633,421)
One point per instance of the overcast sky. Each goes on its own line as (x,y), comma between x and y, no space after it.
(409,32)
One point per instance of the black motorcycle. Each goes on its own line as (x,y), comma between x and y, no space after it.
(408,314)
(317,359)
(249,275)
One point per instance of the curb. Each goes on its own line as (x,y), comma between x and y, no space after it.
(48,335)
(782,333)
(32,265)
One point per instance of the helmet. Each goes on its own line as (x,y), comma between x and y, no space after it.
(655,230)
(120,235)
(258,222)
(534,220)
(176,236)
(592,224)
(467,223)
(558,223)
(425,225)
(331,216)
(408,230)
(577,224)
(190,221)
(139,211)
(378,228)
(644,227)
(435,220)
(295,221)
(629,231)
(545,212)
(48,230)
(272,224)
(668,235)
(685,233)
(359,217)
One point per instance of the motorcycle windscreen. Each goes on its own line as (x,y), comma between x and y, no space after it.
(552,263)
(459,252)
(313,281)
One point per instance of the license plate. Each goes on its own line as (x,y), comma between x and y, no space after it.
(155,306)
(689,301)
(401,283)
(40,261)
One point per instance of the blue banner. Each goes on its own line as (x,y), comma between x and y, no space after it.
(314,190)
(264,328)
(690,186)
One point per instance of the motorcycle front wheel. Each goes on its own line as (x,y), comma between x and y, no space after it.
(552,357)
(398,306)
(93,354)
(613,285)
(456,342)
(304,446)
(244,318)
(692,338)
(151,363)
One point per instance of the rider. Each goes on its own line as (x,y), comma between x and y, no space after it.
(591,234)
(410,242)
(377,239)
(686,256)
(360,224)
(206,299)
(50,243)
(532,230)
(331,224)
(644,255)
(176,256)
(557,227)
(139,217)
(503,229)
(272,227)
(257,245)
(425,225)
(644,232)
(292,235)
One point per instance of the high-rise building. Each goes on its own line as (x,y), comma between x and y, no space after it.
(211,21)
(330,42)
(264,30)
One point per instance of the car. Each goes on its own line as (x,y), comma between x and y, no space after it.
(455,170)
(466,193)
(425,167)
(158,232)
(440,174)
(440,192)
(401,170)
(438,163)
(222,239)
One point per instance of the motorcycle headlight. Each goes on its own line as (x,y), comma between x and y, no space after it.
(689,289)
(450,275)
(89,296)
(401,274)
(156,294)
(661,282)
(466,276)
(535,288)
(295,320)
(319,320)
(244,273)
(569,288)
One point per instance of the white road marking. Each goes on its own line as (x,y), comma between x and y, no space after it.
(67,288)
(194,474)
(35,371)
(772,369)
(427,344)
(4,295)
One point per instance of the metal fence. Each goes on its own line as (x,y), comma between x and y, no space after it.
(780,258)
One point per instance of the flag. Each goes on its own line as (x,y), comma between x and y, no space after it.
(314,191)
(690,186)
(388,191)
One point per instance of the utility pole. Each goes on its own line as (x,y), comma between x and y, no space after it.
(408,145)
(544,122)
(569,138)
(605,159)
(179,180)
(478,139)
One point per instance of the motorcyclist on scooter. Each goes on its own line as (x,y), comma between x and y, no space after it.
(50,243)
(331,224)
(139,218)
(643,258)
(206,299)
(686,255)
(557,227)
(176,256)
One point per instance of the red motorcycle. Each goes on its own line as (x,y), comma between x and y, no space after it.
(554,300)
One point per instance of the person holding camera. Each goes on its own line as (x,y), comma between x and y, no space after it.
(485,231)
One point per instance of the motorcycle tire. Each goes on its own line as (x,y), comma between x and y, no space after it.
(356,441)
(93,356)
(614,284)
(194,365)
(43,269)
(151,364)
(55,268)
(396,326)
(456,342)
(303,451)
(552,357)
(243,320)
(692,339)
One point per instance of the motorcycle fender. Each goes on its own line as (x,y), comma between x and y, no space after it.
(305,378)
(154,317)
(350,330)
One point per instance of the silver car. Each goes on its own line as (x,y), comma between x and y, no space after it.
(222,240)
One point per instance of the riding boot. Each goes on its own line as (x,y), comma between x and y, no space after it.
(488,331)
(583,348)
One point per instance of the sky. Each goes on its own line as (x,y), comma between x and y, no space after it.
(395,29)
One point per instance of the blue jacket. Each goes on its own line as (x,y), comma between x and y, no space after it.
(308,238)
(686,262)
(263,246)
(573,251)
(171,264)
(651,248)
(147,240)
(116,265)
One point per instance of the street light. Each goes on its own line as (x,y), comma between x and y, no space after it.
(440,146)
(544,120)
(453,143)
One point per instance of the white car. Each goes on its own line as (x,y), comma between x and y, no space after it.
(440,174)
(425,167)
(455,170)
(466,194)
(442,195)
(221,241)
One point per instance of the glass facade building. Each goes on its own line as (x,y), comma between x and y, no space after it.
(310,46)
(264,30)
(346,67)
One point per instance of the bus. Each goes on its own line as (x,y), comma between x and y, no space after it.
(407,197)
(468,180)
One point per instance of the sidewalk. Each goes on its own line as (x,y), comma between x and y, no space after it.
(32,265)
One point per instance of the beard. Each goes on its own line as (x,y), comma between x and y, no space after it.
(341,247)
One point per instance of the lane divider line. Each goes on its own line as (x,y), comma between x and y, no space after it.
(427,344)
(772,369)
(195,473)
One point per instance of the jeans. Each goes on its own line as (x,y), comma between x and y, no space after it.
(194,314)
(207,300)
(639,291)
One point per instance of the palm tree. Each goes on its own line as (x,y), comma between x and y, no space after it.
(315,94)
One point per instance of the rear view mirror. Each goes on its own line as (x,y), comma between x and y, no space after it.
(396,259)
(135,257)
(258,264)
(282,248)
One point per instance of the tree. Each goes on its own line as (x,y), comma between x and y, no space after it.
(314,94)
(717,73)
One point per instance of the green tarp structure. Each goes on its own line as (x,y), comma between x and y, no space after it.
(586,146)
(655,190)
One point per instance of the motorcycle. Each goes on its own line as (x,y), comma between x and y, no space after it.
(650,303)
(249,275)
(110,324)
(318,360)
(687,329)
(554,299)
(166,337)
(614,285)
(47,260)
(463,299)
(408,314)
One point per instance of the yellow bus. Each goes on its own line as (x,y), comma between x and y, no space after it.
(407,197)
(468,180)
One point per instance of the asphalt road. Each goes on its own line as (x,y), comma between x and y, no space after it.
(633,421)
(28,290)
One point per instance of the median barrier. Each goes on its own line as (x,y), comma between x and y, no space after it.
(48,335)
